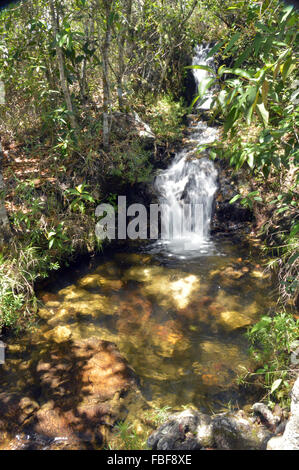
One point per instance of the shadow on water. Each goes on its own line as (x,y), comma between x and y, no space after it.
(61,395)
(180,325)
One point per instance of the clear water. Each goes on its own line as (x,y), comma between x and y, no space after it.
(177,315)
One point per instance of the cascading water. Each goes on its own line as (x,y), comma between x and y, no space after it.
(187,188)
(202,77)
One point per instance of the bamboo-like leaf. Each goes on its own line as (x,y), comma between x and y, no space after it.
(276,384)
(288,67)
(236,71)
(265,91)
(201,67)
(233,40)
(264,113)
(215,48)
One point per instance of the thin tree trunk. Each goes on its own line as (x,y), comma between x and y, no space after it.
(122,46)
(120,72)
(108,4)
(60,61)
(89,40)
(5,232)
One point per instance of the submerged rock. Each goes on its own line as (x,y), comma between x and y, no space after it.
(60,334)
(170,289)
(15,410)
(233,320)
(93,281)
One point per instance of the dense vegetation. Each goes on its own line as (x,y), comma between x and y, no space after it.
(71,67)
(258,103)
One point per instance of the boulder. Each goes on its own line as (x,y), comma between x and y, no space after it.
(204,431)
(177,433)
(290,438)
(192,430)
(60,334)
(238,432)
(271,420)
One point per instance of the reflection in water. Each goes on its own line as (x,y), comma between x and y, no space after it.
(179,324)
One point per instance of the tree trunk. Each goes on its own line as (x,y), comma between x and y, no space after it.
(122,43)
(5,232)
(60,61)
(108,4)
(89,41)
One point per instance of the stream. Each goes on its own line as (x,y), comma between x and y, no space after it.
(177,310)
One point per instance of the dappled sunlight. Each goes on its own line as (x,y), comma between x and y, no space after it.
(180,328)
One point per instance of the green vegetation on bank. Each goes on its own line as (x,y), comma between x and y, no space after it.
(59,156)
(70,68)
(258,105)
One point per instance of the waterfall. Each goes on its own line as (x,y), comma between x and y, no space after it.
(202,77)
(187,188)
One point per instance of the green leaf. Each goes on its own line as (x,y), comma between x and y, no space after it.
(205,85)
(233,40)
(276,384)
(250,160)
(288,10)
(257,43)
(236,71)
(264,113)
(201,67)
(294,230)
(244,56)
(194,101)
(282,209)
(216,48)
(293,258)
(288,68)
(235,198)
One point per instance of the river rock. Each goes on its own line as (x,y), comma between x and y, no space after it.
(177,433)
(232,320)
(271,420)
(238,432)
(93,281)
(226,431)
(59,334)
(290,438)
(204,431)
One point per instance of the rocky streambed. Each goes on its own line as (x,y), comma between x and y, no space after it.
(130,334)
(179,329)
(261,430)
